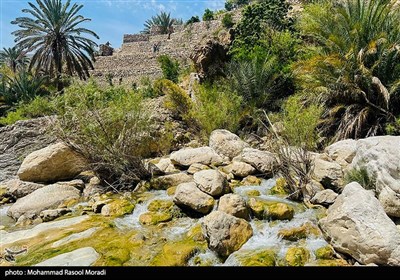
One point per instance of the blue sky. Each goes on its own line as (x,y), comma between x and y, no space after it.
(110,18)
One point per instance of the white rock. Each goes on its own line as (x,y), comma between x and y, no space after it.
(48,197)
(75,236)
(226,143)
(16,236)
(263,161)
(357,225)
(210,181)
(325,197)
(328,173)
(342,152)
(54,163)
(381,157)
(18,188)
(203,155)
(81,257)
(234,205)
(241,169)
(188,195)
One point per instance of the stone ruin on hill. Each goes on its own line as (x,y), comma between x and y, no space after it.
(138,54)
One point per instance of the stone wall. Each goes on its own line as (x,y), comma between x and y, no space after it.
(136,57)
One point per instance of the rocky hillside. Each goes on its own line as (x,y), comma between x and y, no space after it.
(136,57)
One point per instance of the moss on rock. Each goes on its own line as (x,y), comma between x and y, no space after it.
(280,187)
(118,207)
(171,191)
(279,211)
(160,205)
(251,181)
(297,256)
(335,262)
(154,218)
(253,193)
(257,258)
(176,253)
(294,234)
(325,253)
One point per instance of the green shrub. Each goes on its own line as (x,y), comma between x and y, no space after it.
(40,106)
(300,123)
(394,127)
(208,15)
(111,128)
(169,67)
(216,107)
(227,21)
(361,176)
(147,89)
(177,100)
(193,19)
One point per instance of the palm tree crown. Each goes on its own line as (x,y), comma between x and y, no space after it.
(54,35)
(14,58)
(163,21)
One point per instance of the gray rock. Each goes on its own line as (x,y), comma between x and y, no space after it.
(203,155)
(81,257)
(54,163)
(381,157)
(210,181)
(226,143)
(7,239)
(325,197)
(263,161)
(171,180)
(225,233)
(166,166)
(19,140)
(196,167)
(17,188)
(234,205)
(342,152)
(188,195)
(75,236)
(328,173)
(48,197)
(52,214)
(241,169)
(357,225)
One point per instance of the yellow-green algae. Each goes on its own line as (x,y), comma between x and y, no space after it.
(297,256)
(257,258)
(263,209)
(160,205)
(325,253)
(294,234)
(253,193)
(280,187)
(154,218)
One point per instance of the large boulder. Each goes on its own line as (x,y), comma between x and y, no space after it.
(234,205)
(48,197)
(226,143)
(343,151)
(203,155)
(189,196)
(210,181)
(263,161)
(380,156)
(225,233)
(54,163)
(17,188)
(328,173)
(357,225)
(241,169)
(19,140)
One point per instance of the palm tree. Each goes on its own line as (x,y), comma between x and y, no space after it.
(355,69)
(56,38)
(14,58)
(163,21)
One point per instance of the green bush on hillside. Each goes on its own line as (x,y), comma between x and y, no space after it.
(170,68)
(227,20)
(208,15)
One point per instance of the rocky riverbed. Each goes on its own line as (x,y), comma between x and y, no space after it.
(221,204)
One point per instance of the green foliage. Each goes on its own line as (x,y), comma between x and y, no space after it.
(208,15)
(256,18)
(216,107)
(55,36)
(163,21)
(353,68)
(300,123)
(394,127)
(40,106)
(193,19)
(227,20)
(177,100)
(170,68)
(233,4)
(147,89)
(110,127)
(14,58)
(361,176)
